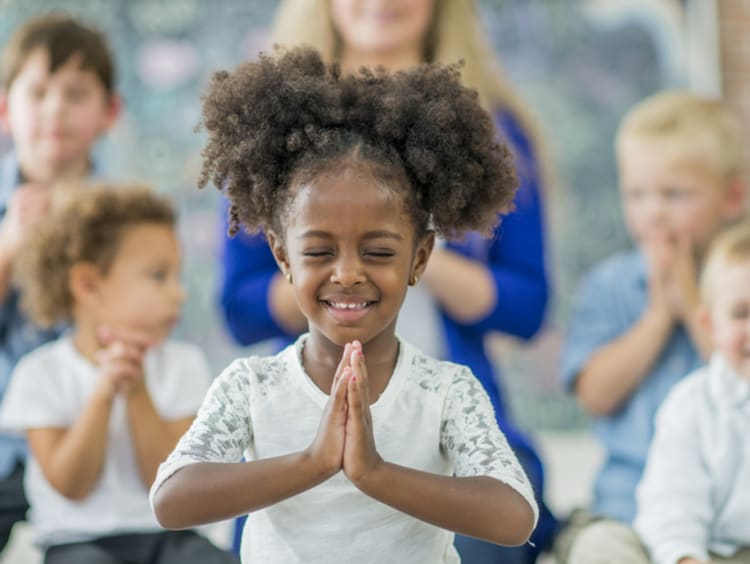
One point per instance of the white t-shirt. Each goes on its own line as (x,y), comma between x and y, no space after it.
(433,416)
(694,496)
(50,388)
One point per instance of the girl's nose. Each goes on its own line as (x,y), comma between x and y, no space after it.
(348,271)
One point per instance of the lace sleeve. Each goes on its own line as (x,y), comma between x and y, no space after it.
(472,440)
(222,430)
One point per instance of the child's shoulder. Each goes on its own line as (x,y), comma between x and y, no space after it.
(263,370)
(53,353)
(431,373)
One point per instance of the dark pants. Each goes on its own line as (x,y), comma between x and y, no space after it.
(168,547)
(13,504)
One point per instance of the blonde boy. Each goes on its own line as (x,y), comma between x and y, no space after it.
(56,99)
(635,330)
(694,500)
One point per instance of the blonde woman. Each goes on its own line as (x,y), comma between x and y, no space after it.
(470,287)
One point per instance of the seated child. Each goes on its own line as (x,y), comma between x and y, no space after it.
(694,498)
(359,447)
(634,329)
(57,98)
(105,403)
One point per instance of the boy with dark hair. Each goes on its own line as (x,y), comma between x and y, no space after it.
(56,99)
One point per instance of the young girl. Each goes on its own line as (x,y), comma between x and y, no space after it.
(474,288)
(103,405)
(359,448)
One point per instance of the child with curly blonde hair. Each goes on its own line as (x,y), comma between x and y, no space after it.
(359,447)
(104,404)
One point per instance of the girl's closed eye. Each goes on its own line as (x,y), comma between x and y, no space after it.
(317,253)
(380,253)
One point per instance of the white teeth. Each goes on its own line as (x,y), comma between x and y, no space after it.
(348,306)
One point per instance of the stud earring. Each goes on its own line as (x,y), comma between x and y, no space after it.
(288,277)
(414,279)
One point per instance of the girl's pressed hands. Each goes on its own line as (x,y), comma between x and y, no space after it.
(328,445)
(360,453)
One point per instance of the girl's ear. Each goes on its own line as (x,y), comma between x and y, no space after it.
(421,256)
(84,280)
(279,251)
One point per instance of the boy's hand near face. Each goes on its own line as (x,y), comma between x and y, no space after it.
(27,206)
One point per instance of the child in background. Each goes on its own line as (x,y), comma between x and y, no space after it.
(634,331)
(104,404)
(359,448)
(694,500)
(56,99)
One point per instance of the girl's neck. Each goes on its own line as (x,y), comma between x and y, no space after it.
(393,61)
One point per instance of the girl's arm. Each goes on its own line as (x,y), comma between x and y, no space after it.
(203,492)
(72,459)
(473,504)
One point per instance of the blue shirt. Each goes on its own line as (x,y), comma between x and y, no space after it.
(18,335)
(611,299)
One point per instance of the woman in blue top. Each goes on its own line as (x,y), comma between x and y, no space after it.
(470,287)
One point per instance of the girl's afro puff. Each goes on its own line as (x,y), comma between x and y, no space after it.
(281,116)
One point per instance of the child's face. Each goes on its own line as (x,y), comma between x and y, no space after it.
(730,315)
(56,118)
(349,246)
(375,27)
(142,289)
(672,197)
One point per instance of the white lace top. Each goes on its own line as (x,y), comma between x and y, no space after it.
(433,416)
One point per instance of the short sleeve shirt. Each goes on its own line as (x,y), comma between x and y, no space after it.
(433,416)
(611,299)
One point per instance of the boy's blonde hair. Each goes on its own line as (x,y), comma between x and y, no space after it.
(688,125)
(61,37)
(730,246)
(85,226)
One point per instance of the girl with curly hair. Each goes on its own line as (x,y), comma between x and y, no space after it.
(472,288)
(359,447)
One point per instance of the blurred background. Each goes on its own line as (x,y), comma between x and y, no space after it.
(580,64)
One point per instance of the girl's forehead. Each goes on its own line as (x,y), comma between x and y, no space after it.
(352,197)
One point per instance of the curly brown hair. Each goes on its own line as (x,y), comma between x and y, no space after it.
(86,227)
(288,118)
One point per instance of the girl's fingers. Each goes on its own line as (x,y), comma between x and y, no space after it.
(342,365)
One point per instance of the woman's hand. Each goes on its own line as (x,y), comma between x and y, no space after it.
(328,446)
(360,454)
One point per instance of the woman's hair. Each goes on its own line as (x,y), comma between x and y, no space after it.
(455,34)
(729,247)
(288,118)
(86,225)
